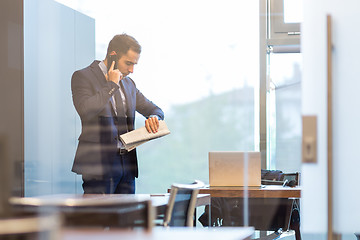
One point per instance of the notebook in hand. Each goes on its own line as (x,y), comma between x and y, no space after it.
(234,169)
(139,136)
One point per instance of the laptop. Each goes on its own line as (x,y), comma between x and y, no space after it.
(227,169)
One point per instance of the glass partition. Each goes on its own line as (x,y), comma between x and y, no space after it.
(284,111)
(199,64)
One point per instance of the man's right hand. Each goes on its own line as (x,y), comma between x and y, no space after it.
(114,75)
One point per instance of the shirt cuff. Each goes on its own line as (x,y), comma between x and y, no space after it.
(155,116)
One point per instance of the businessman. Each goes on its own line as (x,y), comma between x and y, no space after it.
(106,99)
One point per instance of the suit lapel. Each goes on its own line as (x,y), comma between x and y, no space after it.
(98,73)
(126,91)
(102,80)
(113,106)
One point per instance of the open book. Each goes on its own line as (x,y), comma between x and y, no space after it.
(139,136)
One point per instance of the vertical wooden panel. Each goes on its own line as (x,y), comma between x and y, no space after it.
(12,88)
(329,128)
(5,184)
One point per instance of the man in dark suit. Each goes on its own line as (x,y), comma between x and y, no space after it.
(106,100)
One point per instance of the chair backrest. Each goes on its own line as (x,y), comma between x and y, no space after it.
(291,179)
(277,177)
(181,206)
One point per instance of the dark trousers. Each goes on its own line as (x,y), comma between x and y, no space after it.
(120,181)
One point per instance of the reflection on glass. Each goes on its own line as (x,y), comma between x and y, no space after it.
(284,112)
(293,11)
(201,69)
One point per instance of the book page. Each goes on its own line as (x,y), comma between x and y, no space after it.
(139,136)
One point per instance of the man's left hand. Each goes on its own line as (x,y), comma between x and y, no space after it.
(152,124)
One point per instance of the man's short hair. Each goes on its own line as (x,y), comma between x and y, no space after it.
(121,44)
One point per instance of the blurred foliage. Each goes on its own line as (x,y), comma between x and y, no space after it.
(223,122)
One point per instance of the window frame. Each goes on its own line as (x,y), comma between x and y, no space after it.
(278,37)
(277,26)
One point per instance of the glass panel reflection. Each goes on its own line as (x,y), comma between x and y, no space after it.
(200,69)
(284,112)
(293,11)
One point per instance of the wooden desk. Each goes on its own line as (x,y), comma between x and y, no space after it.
(161,233)
(66,202)
(159,201)
(91,210)
(78,200)
(269,206)
(267,191)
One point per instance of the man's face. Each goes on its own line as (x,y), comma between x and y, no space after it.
(127,61)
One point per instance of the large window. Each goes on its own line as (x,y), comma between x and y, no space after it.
(284,111)
(284,18)
(200,64)
(282,82)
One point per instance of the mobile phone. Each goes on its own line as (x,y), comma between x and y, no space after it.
(112,58)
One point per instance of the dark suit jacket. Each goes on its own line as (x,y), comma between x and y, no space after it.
(101,126)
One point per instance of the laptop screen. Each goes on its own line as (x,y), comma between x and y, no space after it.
(234,169)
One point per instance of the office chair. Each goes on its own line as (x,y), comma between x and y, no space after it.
(276,177)
(181,206)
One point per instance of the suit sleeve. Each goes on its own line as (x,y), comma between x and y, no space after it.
(88,100)
(146,107)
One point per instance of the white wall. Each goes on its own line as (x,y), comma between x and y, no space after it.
(346,118)
(346,22)
(58,40)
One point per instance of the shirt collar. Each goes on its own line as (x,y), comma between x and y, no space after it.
(103,67)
